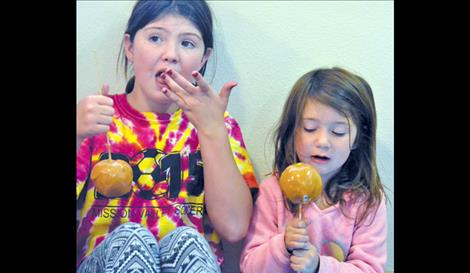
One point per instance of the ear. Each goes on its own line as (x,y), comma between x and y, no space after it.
(128,48)
(206,56)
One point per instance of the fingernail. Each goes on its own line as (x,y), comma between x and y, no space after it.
(163,75)
(169,72)
(194,73)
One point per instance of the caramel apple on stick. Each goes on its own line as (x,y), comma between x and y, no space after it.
(301,183)
(112,178)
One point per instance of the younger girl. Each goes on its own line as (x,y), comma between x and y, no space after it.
(186,153)
(329,122)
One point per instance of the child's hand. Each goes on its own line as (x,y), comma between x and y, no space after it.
(296,236)
(94,114)
(305,260)
(204,108)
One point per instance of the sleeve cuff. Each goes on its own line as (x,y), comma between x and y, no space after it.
(279,250)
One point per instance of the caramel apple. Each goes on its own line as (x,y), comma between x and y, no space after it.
(112,178)
(301,183)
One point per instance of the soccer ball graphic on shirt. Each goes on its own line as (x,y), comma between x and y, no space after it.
(149,176)
(157,174)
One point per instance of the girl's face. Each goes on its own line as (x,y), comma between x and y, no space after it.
(324,138)
(172,41)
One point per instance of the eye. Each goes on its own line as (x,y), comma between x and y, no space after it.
(155,39)
(338,133)
(188,44)
(309,130)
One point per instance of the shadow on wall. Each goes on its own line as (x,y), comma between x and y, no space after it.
(220,69)
(248,103)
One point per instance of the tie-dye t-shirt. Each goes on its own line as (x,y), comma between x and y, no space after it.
(168,180)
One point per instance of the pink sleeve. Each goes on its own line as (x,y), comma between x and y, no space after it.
(264,249)
(368,251)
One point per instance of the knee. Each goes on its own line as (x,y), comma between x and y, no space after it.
(130,226)
(130,229)
(188,231)
(182,234)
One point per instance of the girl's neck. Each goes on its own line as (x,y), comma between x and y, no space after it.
(322,202)
(141,104)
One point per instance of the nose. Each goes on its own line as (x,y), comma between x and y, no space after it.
(322,138)
(170,53)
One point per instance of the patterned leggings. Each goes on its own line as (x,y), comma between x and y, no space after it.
(132,248)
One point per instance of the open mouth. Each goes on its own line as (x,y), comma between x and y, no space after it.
(320,157)
(159,79)
(159,73)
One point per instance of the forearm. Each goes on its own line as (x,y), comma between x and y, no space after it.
(227,197)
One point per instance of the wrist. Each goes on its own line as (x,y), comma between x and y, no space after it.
(212,133)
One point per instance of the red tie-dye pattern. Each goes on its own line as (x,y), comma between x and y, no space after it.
(146,137)
(237,134)
(193,141)
(83,160)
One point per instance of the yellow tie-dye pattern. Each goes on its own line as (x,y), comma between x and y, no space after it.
(79,187)
(244,165)
(147,165)
(154,125)
(95,157)
(179,145)
(116,138)
(145,182)
(213,237)
(155,204)
(196,199)
(192,200)
(100,226)
(89,200)
(184,177)
(166,225)
(126,132)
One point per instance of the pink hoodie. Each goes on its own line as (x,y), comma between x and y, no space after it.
(343,245)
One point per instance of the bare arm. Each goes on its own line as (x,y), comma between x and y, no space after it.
(227,197)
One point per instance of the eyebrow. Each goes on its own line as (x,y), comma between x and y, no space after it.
(181,34)
(335,123)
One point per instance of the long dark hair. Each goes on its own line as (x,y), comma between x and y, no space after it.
(352,96)
(146,11)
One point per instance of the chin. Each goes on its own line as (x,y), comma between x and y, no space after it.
(159,97)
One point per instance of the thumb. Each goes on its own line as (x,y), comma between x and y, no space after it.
(105,89)
(226,90)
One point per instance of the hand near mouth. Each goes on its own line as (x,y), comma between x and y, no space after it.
(203,107)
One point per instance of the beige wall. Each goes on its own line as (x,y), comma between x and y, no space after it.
(266,46)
